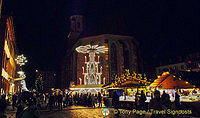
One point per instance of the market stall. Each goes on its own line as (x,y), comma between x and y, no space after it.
(128,85)
(171,84)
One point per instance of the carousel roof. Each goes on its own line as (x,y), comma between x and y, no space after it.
(168,81)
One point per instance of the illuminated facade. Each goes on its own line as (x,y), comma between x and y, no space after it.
(8,64)
(123,53)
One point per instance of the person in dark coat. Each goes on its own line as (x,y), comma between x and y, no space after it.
(30,110)
(55,100)
(177,100)
(85,99)
(14,100)
(60,100)
(3,106)
(51,102)
(90,100)
(142,99)
(67,99)
(155,103)
(167,101)
(115,100)
(93,100)
(20,108)
(99,99)
(34,98)
(81,99)
(70,99)
(137,98)
(163,97)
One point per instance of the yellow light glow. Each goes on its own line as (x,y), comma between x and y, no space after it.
(4,74)
(188,70)
(165,73)
(7,49)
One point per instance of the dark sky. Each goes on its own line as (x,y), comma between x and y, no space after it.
(163,27)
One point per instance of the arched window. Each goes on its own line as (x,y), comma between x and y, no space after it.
(113,59)
(75,63)
(126,56)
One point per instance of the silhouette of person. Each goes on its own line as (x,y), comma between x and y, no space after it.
(177,100)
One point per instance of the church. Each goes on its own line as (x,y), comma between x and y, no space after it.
(122,53)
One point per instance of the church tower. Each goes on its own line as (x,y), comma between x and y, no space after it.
(77,26)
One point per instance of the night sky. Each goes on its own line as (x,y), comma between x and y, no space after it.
(164,28)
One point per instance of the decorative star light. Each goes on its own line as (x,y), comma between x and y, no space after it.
(88,48)
(21,60)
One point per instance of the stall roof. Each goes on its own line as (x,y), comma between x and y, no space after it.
(168,81)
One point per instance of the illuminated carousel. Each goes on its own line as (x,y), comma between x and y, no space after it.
(92,81)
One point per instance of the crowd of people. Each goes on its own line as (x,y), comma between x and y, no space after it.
(33,102)
(157,101)
(163,101)
(24,103)
(61,100)
(28,104)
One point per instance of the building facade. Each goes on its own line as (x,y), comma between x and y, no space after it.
(188,62)
(8,55)
(0,7)
(123,53)
(171,67)
(45,80)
